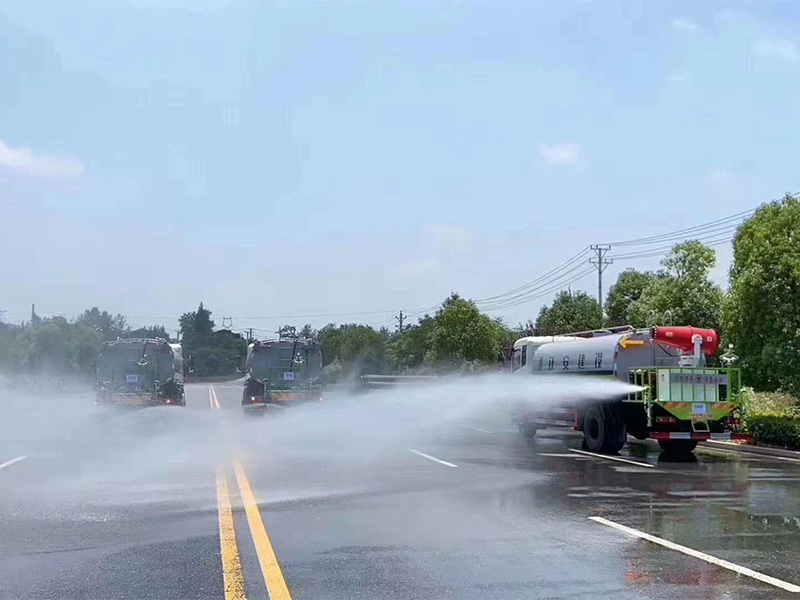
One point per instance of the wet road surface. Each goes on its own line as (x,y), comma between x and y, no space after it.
(134,504)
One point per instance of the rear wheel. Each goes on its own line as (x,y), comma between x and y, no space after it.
(594,429)
(677,446)
(604,430)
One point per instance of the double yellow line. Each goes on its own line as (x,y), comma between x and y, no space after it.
(233,579)
(212,397)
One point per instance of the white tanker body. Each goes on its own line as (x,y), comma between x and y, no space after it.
(682,400)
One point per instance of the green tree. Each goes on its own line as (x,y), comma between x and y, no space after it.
(307,332)
(407,349)
(762,311)
(683,287)
(210,352)
(462,335)
(107,326)
(222,356)
(358,348)
(14,342)
(196,328)
(622,305)
(569,313)
(149,332)
(56,346)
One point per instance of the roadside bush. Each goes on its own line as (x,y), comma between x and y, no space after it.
(771,404)
(772,418)
(768,404)
(777,431)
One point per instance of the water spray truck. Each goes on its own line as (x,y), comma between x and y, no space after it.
(679,400)
(281,372)
(140,372)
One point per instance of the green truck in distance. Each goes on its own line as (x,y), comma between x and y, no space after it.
(140,372)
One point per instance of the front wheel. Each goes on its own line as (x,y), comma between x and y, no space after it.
(678,446)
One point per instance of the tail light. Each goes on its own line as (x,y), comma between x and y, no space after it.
(666,420)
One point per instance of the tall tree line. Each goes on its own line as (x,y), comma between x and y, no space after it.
(759,314)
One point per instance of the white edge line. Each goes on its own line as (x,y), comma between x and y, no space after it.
(617,458)
(8,463)
(433,458)
(746,453)
(789,587)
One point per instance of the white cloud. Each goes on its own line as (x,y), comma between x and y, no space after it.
(23,160)
(561,154)
(684,24)
(767,47)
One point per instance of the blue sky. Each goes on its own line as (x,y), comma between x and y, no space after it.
(292,158)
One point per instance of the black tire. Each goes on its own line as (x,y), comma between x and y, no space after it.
(528,430)
(594,429)
(617,432)
(604,429)
(677,446)
(614,446)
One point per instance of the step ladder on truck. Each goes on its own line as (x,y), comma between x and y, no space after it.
(679,399)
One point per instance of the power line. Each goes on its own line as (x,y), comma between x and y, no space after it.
(714,239)
(637,255)
(714,233)
(543,291)
(265,317)
(526,286)
(728,228)
(546,292)
(531,291)
(684,232)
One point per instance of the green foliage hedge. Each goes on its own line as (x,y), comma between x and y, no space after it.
(777,431)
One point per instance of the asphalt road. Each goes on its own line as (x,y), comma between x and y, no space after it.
(317,502)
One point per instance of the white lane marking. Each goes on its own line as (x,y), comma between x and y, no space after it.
(8,463)
(557,455)
(617,458)
(433,458)
(479,429)
(789,587)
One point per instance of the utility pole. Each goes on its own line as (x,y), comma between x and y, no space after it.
(227,322)
(33,316)
(601,262)
(249,335)
(400,320)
